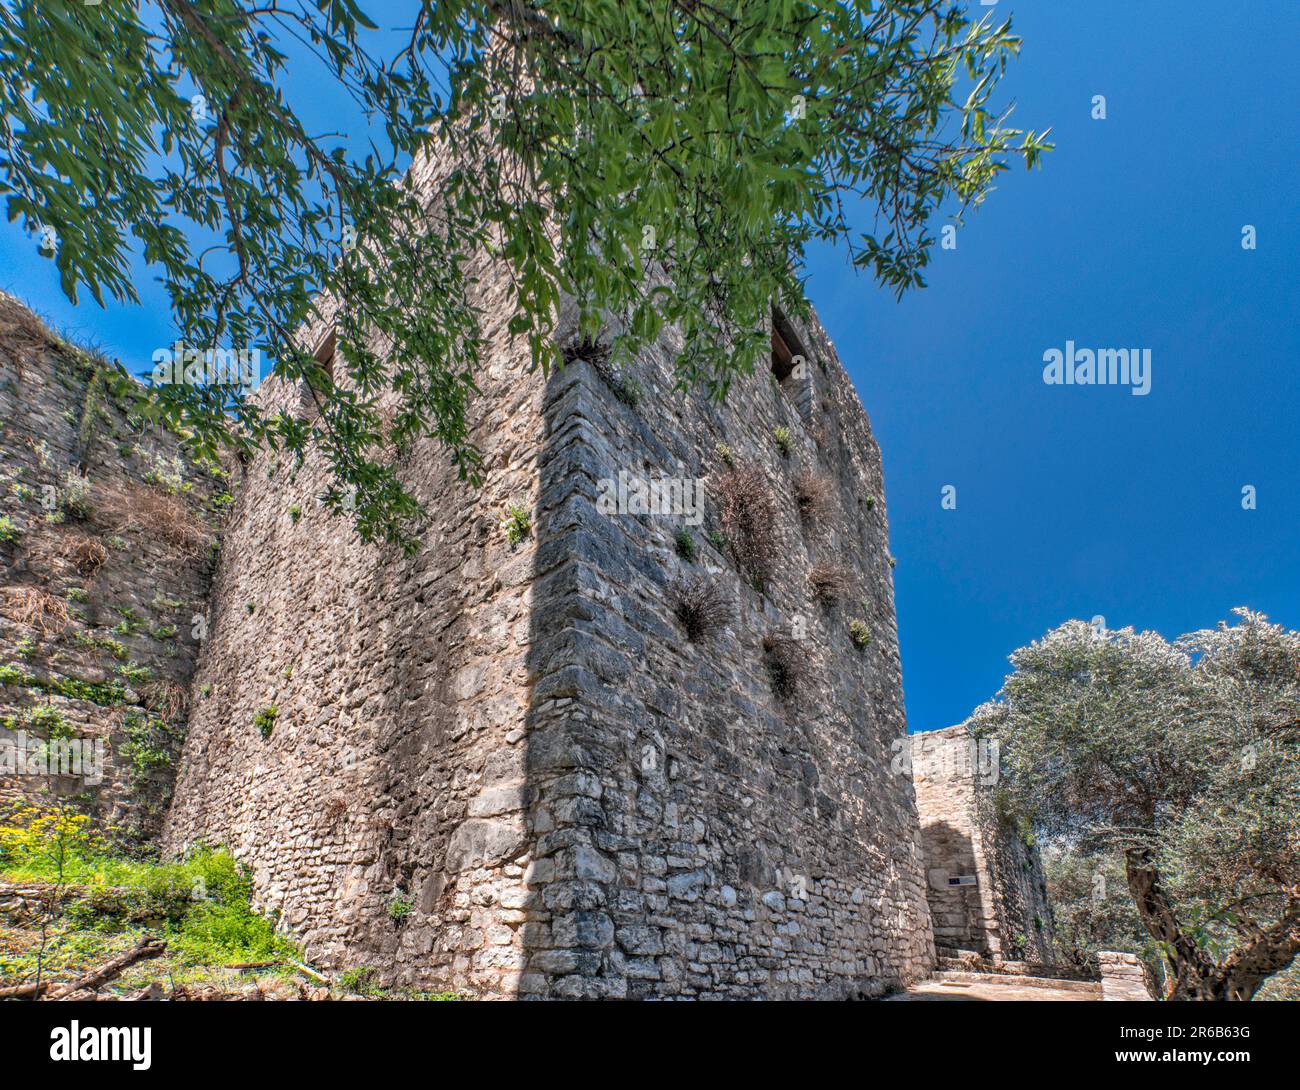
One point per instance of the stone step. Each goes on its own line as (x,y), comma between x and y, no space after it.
(1015,980)
(1011,968)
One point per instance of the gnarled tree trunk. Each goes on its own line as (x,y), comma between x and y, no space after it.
(1193,975)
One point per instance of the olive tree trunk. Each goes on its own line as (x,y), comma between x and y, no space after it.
(1193,975)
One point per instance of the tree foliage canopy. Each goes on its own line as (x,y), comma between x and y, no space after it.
(708,140)
(1183,759)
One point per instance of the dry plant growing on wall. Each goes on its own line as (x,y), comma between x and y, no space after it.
(86,553)
(22,333)
(597,353)
(585,348)
(166,699)
(748,515)
(812,495)
(830,582)
(701,605)
(158,514)
(36,609)
(786,663)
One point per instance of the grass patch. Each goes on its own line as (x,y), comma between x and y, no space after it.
(200,907)
(830,582)
(786,664)
(749,521)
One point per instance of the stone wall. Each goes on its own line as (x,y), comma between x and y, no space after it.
(716,838)
(1123,978)
(106,536)
(384,813)
(986,886)
(507,768)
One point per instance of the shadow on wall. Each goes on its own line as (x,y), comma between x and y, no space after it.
(953,890)
(689,830)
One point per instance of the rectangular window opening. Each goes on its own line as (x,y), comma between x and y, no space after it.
(324,357)
(324,354)
(787,352)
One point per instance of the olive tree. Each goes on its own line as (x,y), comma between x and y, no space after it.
(654,161)
(1183,759)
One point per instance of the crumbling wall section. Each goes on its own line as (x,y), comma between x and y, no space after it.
(107,533)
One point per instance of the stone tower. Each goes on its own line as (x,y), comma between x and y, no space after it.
(986,887)
(508,767)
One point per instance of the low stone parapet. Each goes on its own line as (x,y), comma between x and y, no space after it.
(1123,979)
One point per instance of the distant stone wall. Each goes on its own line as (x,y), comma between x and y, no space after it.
(507,768)
(106,536)
(986,886)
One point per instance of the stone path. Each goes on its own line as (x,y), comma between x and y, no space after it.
(944,987)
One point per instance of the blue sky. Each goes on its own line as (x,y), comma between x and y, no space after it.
(1072,501)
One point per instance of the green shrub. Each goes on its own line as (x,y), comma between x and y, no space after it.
(75,497)
(727,455)
(264,720)
(166,474)
(399,905)
(203,902)
(113,647)
(136,675)
(104,694)
(781,435)
(46,721)
(146,745)
(685,544)
(518,524)
(360,981)
(628,390)
(9,533)
(860,633)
